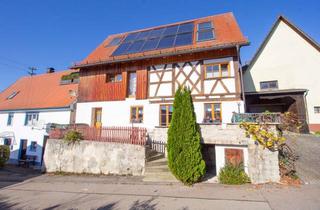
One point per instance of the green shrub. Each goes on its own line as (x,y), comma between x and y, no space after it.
(184,148)
(4,154)
(231,174)
(317,133)
(73,136)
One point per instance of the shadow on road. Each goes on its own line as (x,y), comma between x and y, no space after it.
(12,174)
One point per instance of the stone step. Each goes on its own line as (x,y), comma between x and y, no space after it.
(159,162)
(155,157)
(157,169)
(151,152)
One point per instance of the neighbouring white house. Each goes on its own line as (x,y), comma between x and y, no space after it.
(130,80)
(29,106)
(284,74)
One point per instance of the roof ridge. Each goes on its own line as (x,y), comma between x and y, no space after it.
(300,31)
(169,24)
(273,28)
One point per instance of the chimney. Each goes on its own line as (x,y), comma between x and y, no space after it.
(50,70)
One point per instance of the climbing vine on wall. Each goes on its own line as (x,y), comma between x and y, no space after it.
(272,138)
(262,134)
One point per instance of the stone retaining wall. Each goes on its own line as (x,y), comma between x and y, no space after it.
(263,165)
(94,158)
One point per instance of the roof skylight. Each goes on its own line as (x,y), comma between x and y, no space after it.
(12,95)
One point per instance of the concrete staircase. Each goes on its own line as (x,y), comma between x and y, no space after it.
(157,169)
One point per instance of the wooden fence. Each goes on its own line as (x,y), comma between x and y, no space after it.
(124,135)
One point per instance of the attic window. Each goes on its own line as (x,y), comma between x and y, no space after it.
(205,32)
(12,95)
(115,41)
(269,85)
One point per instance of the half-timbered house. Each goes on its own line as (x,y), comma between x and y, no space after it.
(130,79)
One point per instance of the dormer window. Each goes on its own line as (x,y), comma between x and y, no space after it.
(12,95)
(205,31)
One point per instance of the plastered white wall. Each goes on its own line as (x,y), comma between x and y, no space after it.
(117,113)
(291,60)
(30,133)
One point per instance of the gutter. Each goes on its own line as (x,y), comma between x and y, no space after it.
(241,78)
(161,55)
(66,108)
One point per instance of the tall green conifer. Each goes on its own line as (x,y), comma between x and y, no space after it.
(184,148)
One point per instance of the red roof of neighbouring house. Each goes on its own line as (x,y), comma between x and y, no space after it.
(38,92)
(226,30)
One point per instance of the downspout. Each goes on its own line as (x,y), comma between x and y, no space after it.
(241,78)
(306,108)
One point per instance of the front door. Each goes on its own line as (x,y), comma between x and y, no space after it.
(23,149)
(132,86)
(97,115)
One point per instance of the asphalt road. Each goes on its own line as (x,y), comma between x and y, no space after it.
(307,147)
(111,192)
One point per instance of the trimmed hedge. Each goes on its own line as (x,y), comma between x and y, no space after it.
(4,154)
(184,148)
(234,175)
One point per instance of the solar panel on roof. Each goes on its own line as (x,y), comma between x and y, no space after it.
(121,49)
(183,39)
(135,46)
(183,28)
(160,38)
(151,44)
(166,42)
(131,37)
(171,30)
(156,32)
(143,35)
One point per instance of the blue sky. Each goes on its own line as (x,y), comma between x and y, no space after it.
(55,33)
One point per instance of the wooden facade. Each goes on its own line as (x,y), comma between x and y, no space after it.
(94,85)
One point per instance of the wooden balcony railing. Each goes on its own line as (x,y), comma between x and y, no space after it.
(124,135)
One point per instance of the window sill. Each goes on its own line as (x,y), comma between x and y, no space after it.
(206,40)
(214,78)
(161,126)
(205,123)
(136,122)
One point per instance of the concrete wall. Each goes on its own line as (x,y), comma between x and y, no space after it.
(31,133)
(291,60)
(94,158)
(260,164)
(263,165)
(211,134)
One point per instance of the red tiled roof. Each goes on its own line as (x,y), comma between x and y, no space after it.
(227,32)
(38,92)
